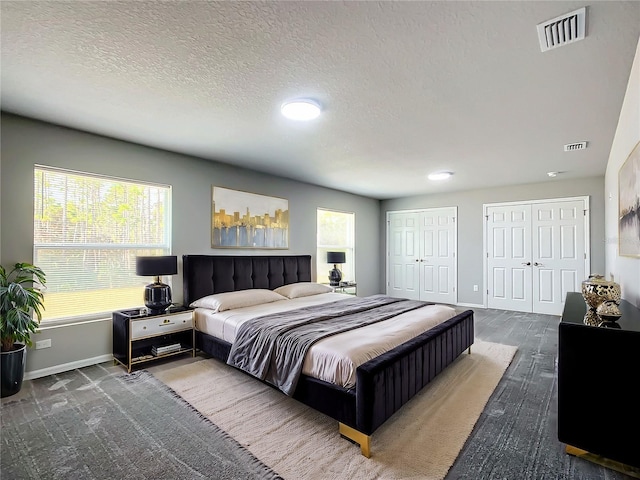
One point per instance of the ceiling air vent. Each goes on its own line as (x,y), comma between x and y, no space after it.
(562,30)
(570,147)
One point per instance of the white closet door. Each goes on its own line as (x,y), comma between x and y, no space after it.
(403,256)
(509,266)
(437,255)
(558,253)
(536,253)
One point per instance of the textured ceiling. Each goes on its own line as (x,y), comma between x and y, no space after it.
(408,88)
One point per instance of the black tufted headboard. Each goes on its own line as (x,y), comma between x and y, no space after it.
(207,274)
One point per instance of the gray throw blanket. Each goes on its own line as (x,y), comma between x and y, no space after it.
(273,347)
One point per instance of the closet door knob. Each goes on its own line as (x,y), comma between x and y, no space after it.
(527,264)
(538,264)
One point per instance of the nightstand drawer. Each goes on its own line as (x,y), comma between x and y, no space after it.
(161,324)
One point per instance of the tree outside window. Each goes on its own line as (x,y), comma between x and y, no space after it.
(88,230)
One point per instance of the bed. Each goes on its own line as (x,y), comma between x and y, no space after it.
(383,384)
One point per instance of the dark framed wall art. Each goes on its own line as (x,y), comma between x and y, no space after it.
(629,205)
(248,220)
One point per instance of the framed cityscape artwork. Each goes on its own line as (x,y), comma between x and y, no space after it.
(629,205)
(248,220)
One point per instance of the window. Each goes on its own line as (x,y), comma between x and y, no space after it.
(88,230)
(336,233)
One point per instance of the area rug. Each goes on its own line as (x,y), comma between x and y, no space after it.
(421,441)
(93,423)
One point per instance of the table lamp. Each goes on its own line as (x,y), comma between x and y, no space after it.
(335,275)
(157,295)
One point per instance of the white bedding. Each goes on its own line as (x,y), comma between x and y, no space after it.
(333,359)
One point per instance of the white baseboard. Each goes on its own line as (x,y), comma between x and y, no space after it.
(471,305)
(65,367)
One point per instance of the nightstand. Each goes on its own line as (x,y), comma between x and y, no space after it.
(140,338)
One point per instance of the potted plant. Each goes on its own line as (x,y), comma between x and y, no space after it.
(21,297)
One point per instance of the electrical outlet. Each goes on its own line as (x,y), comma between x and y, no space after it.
(43,344)
(475,288)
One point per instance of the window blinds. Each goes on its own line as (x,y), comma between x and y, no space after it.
(88,229)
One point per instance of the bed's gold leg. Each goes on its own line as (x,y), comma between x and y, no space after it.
(469,350)
(360,438)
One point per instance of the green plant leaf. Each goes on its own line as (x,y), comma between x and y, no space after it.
(21,297)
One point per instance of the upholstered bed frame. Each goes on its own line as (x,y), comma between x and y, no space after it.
(383,384)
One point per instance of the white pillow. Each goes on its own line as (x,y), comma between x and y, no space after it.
(303,289)
(220,302)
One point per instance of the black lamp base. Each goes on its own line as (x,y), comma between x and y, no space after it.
(157,297)
(335,276)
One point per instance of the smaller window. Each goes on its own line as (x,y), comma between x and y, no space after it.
(336,233)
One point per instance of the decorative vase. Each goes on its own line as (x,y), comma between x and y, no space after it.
(609,311)
(596,289)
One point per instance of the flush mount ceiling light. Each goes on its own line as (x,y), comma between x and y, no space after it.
(553,174)
(439,175)
(301,109)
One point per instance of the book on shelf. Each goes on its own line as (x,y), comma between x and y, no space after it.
(157,354)
(159,350)
(165,348)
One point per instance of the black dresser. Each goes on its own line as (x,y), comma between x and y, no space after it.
(598,382)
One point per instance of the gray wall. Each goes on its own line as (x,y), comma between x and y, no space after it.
(625,269)
(26,142)
(470,214)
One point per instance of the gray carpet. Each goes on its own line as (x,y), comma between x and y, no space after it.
(96,424)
